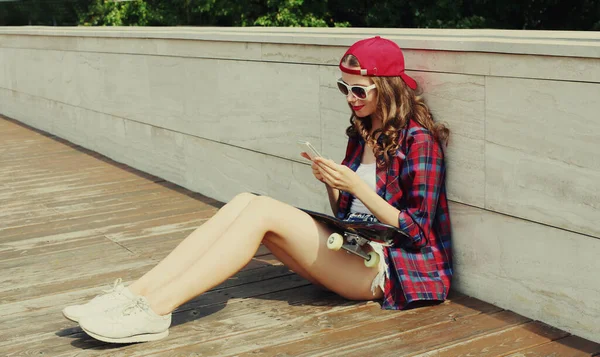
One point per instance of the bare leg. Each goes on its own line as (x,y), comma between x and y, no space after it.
(299,238)
(192,247)
(286,259)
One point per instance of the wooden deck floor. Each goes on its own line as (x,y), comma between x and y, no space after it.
(72,221)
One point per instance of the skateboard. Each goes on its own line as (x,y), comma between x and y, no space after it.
(352,236)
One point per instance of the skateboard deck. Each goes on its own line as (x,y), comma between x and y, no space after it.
(372,231)
(352,236)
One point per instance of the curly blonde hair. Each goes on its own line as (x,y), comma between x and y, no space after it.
(397,103)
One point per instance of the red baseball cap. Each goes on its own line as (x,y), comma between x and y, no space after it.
(378,57)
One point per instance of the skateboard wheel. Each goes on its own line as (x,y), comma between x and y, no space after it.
(335,241)
(373,260)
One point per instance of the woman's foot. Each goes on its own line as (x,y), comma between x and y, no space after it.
(134,322)
(119,294)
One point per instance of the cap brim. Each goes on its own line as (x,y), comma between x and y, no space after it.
(408,80)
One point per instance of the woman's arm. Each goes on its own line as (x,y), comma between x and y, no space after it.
(334,195)
(384,212)
(425,168)
(424,165)
(339,177)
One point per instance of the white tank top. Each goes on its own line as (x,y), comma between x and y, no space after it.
(368,173)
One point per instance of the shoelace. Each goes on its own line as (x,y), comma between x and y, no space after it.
(138,305)
(114,288)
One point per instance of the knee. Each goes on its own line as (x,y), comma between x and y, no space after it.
(245,197)
(262,208)
(263,202)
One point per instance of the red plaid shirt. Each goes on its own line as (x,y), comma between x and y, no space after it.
(420,268)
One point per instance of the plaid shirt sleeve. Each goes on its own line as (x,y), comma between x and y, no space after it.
(424,171)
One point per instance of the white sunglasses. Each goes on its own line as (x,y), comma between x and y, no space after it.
(360,92)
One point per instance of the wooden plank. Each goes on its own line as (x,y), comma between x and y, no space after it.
(64,266)
(168,233)
(70,179)
(17,139)
(108,191)
(79,220)
(52,167)
(91,277)
(268,313)
(392,338)
(34,164)
(89,201)
(82,285)
(144,203)
(445,334)
(62,163)
(124,195)
(69,241)
(51,335)
(32,279)
(571,346)
(59,161)
(304,335)
(64,193)
(154,248)
(102,223)
(14,135)
(33,212)
(35,158)
(142,226)
(499,344)
(141,245)
(59,164)
(33,151)
(21,211)
(100,173)
(130,195)
(81,194)
(266,276)
(63,187)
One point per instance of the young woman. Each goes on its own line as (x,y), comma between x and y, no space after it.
(393,172)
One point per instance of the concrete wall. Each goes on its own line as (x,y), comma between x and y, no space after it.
(219,110)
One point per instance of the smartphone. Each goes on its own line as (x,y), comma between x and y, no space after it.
(307,147)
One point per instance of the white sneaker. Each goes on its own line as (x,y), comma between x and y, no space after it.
(134,322)
(117,295)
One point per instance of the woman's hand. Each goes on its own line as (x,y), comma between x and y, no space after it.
(336,176)
(314,167)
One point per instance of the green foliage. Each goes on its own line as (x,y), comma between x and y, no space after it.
(505,14)
(111,13)
(294,13)
(41,12)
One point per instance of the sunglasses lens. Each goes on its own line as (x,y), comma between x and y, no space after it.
(359,92)
(342,88)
